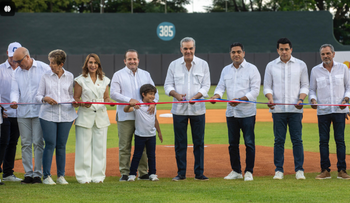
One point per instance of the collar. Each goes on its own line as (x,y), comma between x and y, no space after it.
(130,71)
(194,61)
(242,65)
(334,65)
(7,64)
(292,59)
(64,73)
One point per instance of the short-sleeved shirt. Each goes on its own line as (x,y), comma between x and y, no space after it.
(145,122)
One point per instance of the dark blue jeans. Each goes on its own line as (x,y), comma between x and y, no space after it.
(8,145)
(324,124)
(180,129)
(140,143)
(234,126)
(280,123)
(55,136)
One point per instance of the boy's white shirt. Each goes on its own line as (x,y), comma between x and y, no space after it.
(145,122)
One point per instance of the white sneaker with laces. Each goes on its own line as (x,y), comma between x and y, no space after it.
(153,177)
(248,176)
(62,181)
(278,175)
(48,181)
(233,175)
(300,175)
(131,178)
(12,178)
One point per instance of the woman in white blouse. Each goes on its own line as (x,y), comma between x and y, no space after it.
(92,123)
(56,86)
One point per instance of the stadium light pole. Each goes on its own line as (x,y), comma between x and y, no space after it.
(226,5)
(165,11)
(132,9)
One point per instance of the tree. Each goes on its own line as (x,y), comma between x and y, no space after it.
(93,6)
(341,19)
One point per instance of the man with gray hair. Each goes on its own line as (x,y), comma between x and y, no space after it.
(330,84)
(188,77)
(24,86)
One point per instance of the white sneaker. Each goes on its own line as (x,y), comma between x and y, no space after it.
(248,176)
(233,175)
(153,177)
(12,178)
(278,175)
(62,181)
(48,181)
(300,175)
(131,178)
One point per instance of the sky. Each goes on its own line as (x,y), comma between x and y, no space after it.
(197,5)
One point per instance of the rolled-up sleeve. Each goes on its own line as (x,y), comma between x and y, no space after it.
(313,86)
(347,81)
(255,82)
(14,96)
(206,81)
(268,80)
(169,83)
(41,90)
(221,88)
(304,80)
(116,91)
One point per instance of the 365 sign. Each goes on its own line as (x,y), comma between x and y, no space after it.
(166,31)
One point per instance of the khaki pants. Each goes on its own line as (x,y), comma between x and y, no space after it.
(126,131)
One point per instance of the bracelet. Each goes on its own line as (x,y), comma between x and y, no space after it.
(302,100)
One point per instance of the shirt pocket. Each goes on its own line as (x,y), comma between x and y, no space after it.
(228,82)
(321,82)
(243,82)
(179,79)
(198,78)
(339,80)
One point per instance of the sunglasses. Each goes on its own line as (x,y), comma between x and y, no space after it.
(19,61)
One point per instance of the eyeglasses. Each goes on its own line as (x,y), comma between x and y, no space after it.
(19,62)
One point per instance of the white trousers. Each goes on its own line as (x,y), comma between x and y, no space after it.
(90,154)
(31,135)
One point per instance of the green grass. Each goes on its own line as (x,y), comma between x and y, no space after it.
(262,189)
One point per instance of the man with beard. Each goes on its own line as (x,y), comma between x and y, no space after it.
(330,84)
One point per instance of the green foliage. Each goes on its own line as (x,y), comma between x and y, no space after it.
(93,6)
(340,8)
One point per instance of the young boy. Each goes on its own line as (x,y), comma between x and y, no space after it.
(145,133)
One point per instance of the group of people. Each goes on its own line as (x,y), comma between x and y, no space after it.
(286,82)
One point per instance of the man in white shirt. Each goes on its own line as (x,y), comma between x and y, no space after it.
(330,84)
(188,77)
(25,83)
(242,82)
(1,183)
(125,88)
(9,128)
(286,81)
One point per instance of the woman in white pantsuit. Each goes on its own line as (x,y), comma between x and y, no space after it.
(92,122)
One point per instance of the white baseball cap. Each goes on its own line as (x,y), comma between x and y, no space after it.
(12,48)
